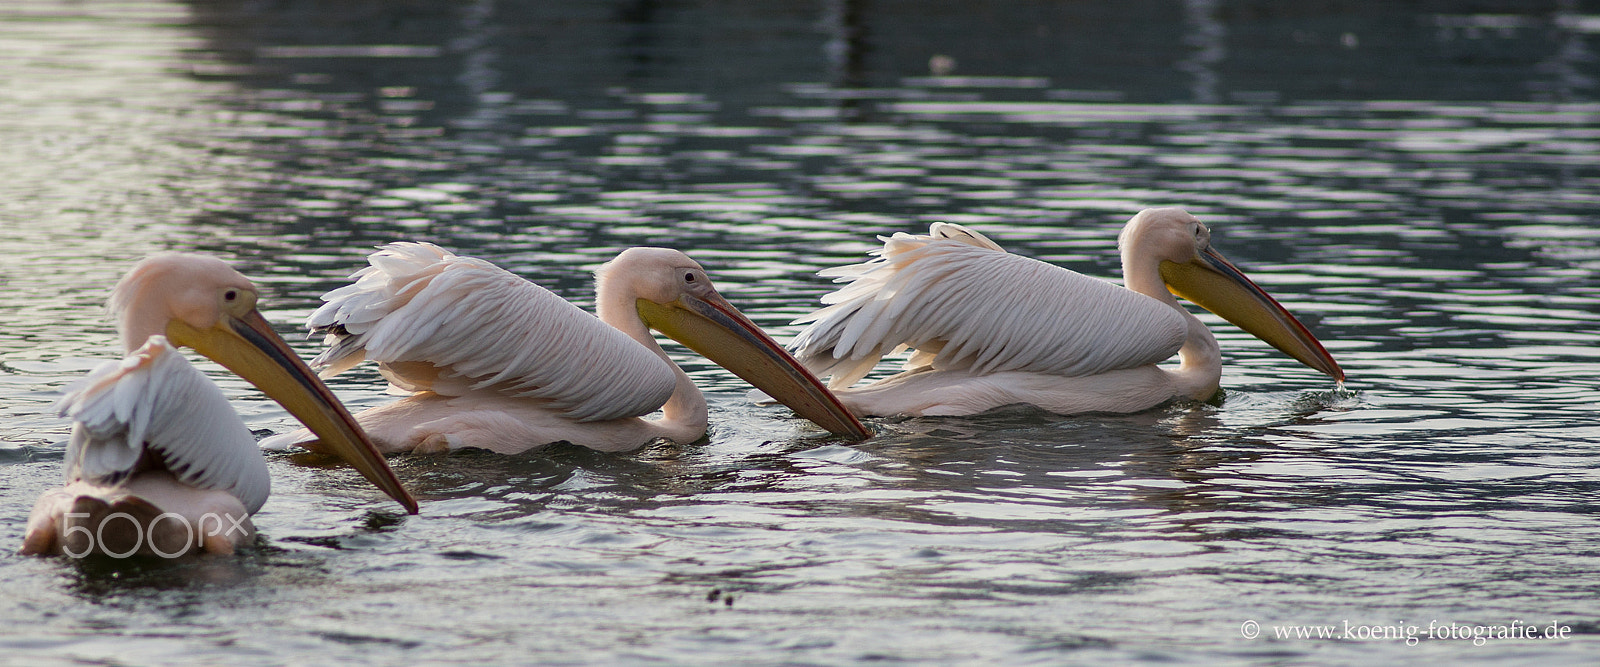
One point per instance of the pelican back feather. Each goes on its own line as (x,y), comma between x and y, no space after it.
(965,304)
(452,325)
(154,402)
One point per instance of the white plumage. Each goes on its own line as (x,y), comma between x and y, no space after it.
(454,325)
(489,360)
(967,305)
(155,400)
(159,463)
(989,328)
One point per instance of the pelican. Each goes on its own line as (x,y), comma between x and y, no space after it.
(489,360)
(158,462)
(991,328)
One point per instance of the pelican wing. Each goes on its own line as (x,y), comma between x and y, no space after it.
(154,400)
(965,304)
(452,325)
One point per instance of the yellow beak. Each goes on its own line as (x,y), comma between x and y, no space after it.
(1215,284)
(714,328)
(249,347)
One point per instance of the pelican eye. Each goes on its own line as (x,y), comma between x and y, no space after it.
(688,277)
(230,296)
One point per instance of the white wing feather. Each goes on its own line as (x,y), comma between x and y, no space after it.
(435,321)
(966,304)
(154,398)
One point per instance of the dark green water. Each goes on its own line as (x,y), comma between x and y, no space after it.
(1417,181)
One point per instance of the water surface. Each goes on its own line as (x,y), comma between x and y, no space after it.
(1419,185)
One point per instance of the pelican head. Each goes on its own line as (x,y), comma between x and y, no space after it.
(1180,246)
(674,296)
(202,303)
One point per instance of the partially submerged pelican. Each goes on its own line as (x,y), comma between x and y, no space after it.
(489,360)
(158,462)
(990,328)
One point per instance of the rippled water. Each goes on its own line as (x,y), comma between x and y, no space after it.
(1419,185)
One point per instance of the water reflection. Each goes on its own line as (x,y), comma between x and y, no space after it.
(114,582)
(1418,184)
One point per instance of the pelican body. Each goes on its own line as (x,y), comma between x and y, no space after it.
(989,328)
(488,360)
(158,462)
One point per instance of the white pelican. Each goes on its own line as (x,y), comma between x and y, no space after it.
(492,361)
(158,462)
(990,328)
